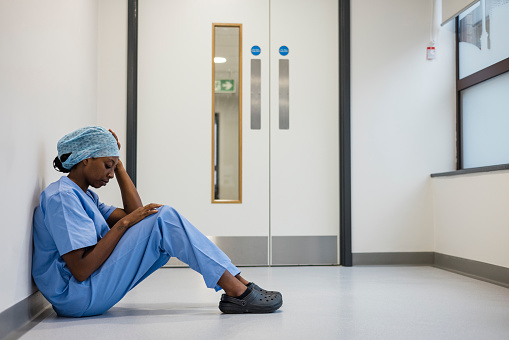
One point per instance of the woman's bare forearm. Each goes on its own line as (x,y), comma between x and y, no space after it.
(83,263)
(130,197)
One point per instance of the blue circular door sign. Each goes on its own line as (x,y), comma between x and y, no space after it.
(256,50)
(283,50)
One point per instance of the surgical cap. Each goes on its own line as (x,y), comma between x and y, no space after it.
(87,142)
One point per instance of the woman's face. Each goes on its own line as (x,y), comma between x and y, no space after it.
(98,171)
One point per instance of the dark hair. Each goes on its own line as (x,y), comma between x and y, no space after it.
(57,163)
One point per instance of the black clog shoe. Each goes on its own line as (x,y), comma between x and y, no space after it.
(254,302)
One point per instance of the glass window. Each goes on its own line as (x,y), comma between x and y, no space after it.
(485,110)
(483,36)
(483,84)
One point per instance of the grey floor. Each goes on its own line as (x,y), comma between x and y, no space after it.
(360,302)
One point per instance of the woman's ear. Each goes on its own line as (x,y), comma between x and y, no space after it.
(85,162)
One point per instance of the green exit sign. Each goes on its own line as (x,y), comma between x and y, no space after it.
(225,86)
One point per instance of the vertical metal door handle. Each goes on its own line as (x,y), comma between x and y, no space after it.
(256,120)
(284,94)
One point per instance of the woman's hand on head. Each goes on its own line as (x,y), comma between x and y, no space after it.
(119,165)
(139,214)
(115,135)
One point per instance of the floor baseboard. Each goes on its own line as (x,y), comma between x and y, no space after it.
(401,258)
(18,319)
(478,270)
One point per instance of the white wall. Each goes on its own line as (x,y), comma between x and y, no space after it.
(48,87)
(403,123)
(472,216)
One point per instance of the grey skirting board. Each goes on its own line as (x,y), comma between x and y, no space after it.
(479,270)
(401,258)
(24,315)
(475,269)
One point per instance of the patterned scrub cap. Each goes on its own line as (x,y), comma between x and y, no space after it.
(87,142)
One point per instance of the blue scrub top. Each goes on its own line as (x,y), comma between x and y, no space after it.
(65,220)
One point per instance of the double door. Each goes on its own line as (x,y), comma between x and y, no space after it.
(287,212)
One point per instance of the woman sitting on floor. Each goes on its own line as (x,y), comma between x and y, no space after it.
(88,255)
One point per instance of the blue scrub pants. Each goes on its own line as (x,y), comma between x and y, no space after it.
(145,247)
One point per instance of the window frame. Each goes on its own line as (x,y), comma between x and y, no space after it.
(461,84)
